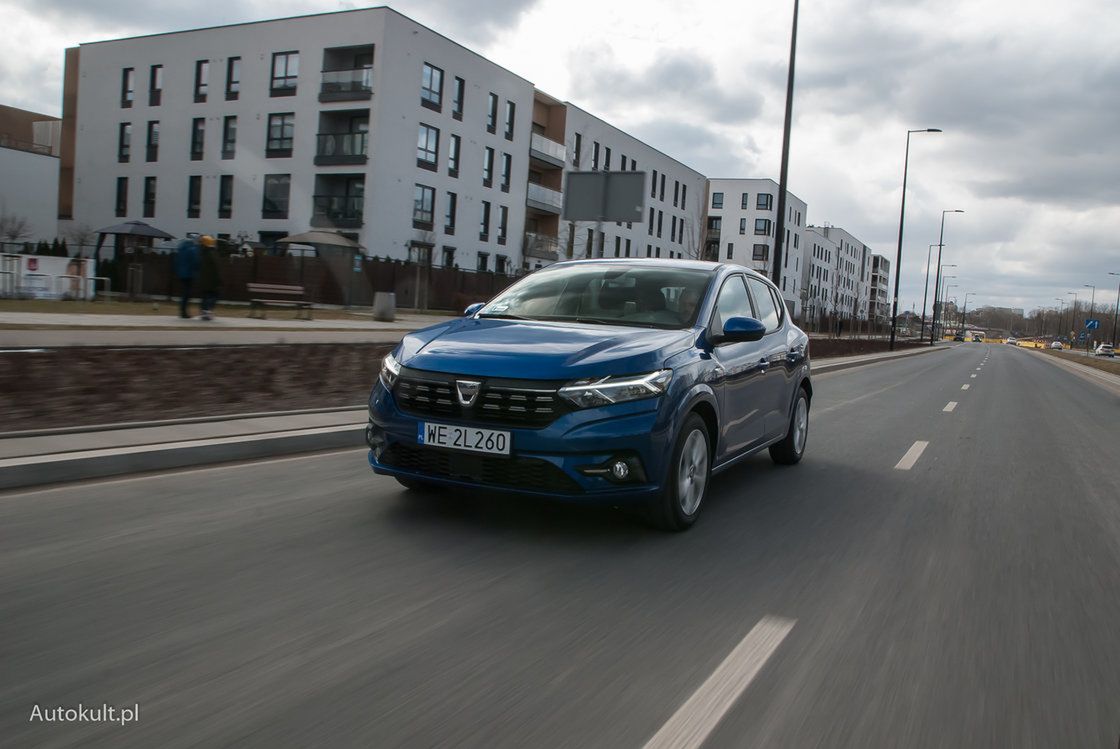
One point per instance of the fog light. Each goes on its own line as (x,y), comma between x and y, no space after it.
(620,471)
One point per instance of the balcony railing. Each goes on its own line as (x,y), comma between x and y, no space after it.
(541,246)
(346,85)
(339,211)
(342,148)
(547,150)
(544,199)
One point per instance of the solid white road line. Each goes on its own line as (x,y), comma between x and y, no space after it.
(911,456)
(964,387)
(950,407)
(691,724)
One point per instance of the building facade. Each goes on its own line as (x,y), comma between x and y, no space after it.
(850,292)
(740,224)
(29,148)
(879,303)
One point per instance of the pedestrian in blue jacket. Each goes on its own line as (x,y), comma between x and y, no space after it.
(186,268)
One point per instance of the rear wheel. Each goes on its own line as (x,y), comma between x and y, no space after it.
(686,484)
(788,452)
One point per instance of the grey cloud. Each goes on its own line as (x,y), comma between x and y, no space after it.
(700,147)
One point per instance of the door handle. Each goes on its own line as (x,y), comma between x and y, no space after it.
(763,364)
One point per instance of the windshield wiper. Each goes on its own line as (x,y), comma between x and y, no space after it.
(505,316)
(609,321)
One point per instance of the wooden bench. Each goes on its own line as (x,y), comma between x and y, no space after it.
(263,295)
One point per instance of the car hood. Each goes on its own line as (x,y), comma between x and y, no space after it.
(539,350)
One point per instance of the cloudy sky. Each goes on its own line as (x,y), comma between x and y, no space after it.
(1027,92)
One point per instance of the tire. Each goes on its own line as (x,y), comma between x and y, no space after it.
(415,485)
(680,502)
(788,452)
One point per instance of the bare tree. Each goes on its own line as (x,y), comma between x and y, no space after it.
(80,235)
(693,232)
(14,228)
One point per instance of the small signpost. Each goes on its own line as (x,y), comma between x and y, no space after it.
(1092,324)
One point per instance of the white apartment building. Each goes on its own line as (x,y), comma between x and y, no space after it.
(820,275)
(362,121)
(879,299)
(850,272)
(29,167)
(741,221)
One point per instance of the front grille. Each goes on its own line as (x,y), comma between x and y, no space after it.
(514,473)
(516,403)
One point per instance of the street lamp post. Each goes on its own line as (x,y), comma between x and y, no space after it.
(936,285)
(1072,315)
(925,294)
(901,223)
(1116,311)
(938,316)
(1092,304)
(779,234)
(1061,314)
(964,314)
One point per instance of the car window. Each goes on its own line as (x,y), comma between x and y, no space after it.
(732,302)
(767,311)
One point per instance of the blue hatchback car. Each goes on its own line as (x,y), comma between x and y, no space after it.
(599,380)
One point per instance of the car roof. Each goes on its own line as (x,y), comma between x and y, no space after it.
(708,265)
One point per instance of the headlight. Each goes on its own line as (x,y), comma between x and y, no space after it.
(591,393)
(390,371)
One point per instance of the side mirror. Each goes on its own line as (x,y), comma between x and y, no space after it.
(473,308)
(736,329)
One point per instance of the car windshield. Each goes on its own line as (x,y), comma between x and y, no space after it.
(606,294)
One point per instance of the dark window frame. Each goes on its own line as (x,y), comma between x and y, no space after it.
(288,81)
(155,85)
(507,172)
(233,78)
(762,227)
(198,138)
(152,141)
(454,154)
(229,144)
(427,156)
(717,201)
(451,214)
(488,167)
(492,114)
(764,202)
(458,98)
(128,87)
(275,147)
(121,203)
(422,218)
(503,223)
(150,195)
(511,119)
(431,97)
(124,143)
(201,80)
(271,206)
(484,223)
(194,196)
(225,196)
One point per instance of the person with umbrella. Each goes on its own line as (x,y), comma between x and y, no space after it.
(187,260)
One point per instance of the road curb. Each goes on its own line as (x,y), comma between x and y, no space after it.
(839,366)
(38,470)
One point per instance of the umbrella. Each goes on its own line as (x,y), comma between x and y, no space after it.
(323,237)
(129,228)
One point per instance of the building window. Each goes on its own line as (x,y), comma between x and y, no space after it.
(730,250)
(765,202)
(577,149)
(715,224)
(622,158)
(431,87)
(427,148)
(285,73)
(507,170)
(198,137)
(449,216)
(128,87)
(717,200)
(742,226)
(448,257)
(149,197)
(684,193)
(660,221)
(511,117)
(607,158)
(225,196)
(281,135)
(676,190)
(483,263)
(650,222)
(762,226)
(124,142)
(761,253)
(484,224)
(745,201)
(501,264)
(649,250)
(618,246)
(595,156)
(503,222)
(153,141)
(492,114)
(628,247)
(201,80)
(277,190)
(653,185)
(453,157)
(155,86)
(488,167)
(673,228)
(233,78)
(423,206)
(194,196)
(458,93)
(122,196)
(229,137)
(662,191)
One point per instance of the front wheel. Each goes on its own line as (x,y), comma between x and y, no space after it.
(686,483)
(788,452)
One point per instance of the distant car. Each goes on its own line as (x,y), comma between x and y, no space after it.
(1104,349)
(1012,340)
(977,339)
(1056,345)
(959,338)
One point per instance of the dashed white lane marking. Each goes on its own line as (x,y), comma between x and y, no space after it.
(950,407)
(695,719)
(911,456)
(978,368)
(973,376)
(964,387)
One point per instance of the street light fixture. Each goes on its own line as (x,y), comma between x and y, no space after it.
(901,223)
(936,285)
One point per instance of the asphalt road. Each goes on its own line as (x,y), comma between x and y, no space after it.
(971,600)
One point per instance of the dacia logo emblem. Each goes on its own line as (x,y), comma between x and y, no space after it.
(468,391)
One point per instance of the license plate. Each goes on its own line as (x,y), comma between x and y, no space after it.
(490,441)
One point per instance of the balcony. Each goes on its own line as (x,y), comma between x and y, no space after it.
(547,151)
(342,148)
(355,84)
(544,199)
(541,246)
(337,211)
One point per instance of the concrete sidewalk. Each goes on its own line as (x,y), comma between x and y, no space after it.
(49,456)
